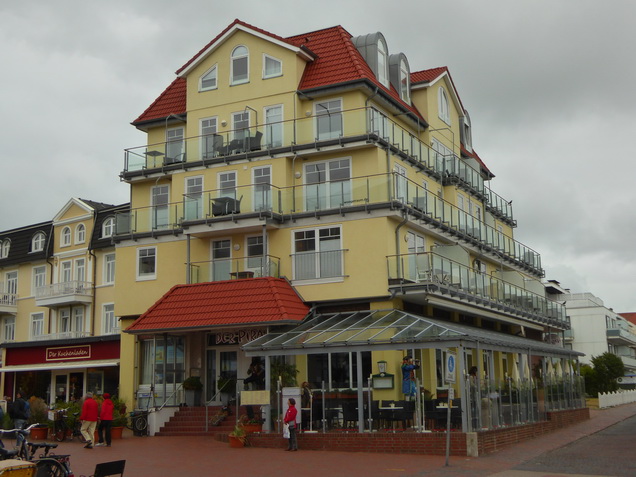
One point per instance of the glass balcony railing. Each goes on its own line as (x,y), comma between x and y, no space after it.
(619,335)
(323,196)
(303,133)
(235,268)
(431,269)
(500,207)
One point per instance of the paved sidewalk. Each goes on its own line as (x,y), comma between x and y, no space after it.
(169,456)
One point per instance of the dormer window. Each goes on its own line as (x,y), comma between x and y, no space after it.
(272,67)
(240,66)
(442,106)
(208,80)
(65,237)
(405,82)
(5,245)
(383,63)
(466,132)
(80,234)
(108,227)
(37,242)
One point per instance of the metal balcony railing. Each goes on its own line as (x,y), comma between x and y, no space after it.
(441,275)
(388,189)
(235,268)
(311,132)
(64,289)
(62,336)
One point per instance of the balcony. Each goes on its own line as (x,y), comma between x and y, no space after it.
(621,337)
(500,208)
(235,268)
(69,335)
(8,302)
(422,275)
(356,127)
(381,191)
(64,294)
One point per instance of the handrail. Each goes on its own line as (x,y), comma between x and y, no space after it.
(213,398)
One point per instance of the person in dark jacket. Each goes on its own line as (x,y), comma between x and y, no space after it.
(105,420)
(19,411)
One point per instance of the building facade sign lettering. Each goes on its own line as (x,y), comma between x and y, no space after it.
(236,337)
(64,353)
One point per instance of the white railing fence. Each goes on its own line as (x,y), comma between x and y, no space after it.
(616,399)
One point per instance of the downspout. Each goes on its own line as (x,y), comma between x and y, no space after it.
(397,243)
(264,261)
(93,299)
(188,264)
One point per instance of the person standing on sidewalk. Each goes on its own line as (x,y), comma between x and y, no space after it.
(19,411)
(290,420)
(89,418)
(105,420)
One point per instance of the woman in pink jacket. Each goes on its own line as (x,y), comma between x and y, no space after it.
(105,420)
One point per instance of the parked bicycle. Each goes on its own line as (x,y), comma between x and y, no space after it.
(62,429)
(46,464)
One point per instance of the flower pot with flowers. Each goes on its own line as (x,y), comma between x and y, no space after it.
(39,414)
(238,437)
(251,425)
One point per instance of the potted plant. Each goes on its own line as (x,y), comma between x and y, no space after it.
(238,437)
(193,387)
(120,418)
(39,414)
(251,425)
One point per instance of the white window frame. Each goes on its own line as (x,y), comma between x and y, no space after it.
(5,247)
(223,179)
(328,108)
(325,193)
(160,210)
(8,328)
(443,106)
(237,57)
(108,227)
(273,75)
(65,237)
(144,253)
(383,63)
(250,258)
(80,234)
(208,128)
(175,145)
(274,130)
(36,327)
(245,130)
(109,269)
(79,271)
(38,241)
(78,319)
(66,271)
(38,274)
(213,71)
(405,82)
(109,321)
(193,197)
(317,253)
(221,267)
(262,187)
(64,322)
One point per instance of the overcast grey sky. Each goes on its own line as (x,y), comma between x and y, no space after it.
(549,86)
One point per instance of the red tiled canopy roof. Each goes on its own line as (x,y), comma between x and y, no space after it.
(426,76)
(220,304)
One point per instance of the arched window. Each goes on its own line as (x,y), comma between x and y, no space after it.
(383,63)
(240,65)
(5,245)
(442,106)
(405,82)
(80,233)
(38,241)
(108,227)
(66,237)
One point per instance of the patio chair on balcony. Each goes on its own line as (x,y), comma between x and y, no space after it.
(226,206)
(235,146)
(213,146)
(176,159)
(254,142)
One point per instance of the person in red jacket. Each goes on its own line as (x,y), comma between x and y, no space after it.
(105,420)
(290,420)
(89,418)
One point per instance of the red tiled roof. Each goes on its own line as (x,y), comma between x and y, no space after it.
(475,156)
(426,76)
(233,302)
(171,101)
(630,316)
(337,61)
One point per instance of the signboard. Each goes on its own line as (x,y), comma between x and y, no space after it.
(237,337)
(64,353)
(451,360)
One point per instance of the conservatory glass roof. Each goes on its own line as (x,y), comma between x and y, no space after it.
(388,329)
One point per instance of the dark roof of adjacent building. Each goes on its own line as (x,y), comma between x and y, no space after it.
(97,241)
(21,240)
(246,302)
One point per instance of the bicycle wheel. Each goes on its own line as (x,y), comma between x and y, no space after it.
(140,423)
(50,468)
(60,433)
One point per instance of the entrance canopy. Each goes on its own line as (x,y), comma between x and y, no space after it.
(390,329)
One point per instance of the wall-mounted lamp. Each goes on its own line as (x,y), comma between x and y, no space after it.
(237,246)
(298,175)
(382,367)
(308,113)
(223,123)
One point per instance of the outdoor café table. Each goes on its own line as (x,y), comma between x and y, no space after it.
(388,413)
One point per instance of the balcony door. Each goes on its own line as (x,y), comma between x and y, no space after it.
(194,198)
(221,259)
(159,210)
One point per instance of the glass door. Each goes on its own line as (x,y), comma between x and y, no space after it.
(227,375)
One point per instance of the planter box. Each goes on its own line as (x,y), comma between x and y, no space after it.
(249,428)
(236,441)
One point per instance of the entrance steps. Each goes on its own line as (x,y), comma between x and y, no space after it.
(190,421)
